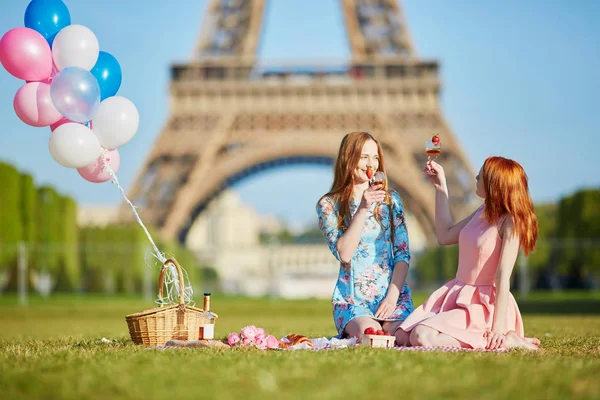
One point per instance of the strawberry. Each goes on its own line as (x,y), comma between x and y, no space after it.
(369,172)
(380,332)
(435,139)
(370,331)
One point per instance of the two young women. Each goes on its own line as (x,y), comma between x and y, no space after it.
(365,229)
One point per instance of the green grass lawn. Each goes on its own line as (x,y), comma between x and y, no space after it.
(51,350)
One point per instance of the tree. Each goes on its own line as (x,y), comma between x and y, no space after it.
(68,276)
(46,254)
(29,206)
(131,245)
(578,231)
(11,228)
(542,255)
(93,262)
(436,264)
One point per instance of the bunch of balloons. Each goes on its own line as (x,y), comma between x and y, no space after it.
(70,86)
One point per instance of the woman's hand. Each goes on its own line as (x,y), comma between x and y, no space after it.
(386,307)
(372,195)
(494,340)
(435,174)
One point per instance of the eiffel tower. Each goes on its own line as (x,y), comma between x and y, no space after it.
(232,117)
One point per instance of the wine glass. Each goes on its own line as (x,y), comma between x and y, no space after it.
(379,179)
(433,149)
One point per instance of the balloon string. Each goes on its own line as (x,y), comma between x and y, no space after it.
(171,282)
(115,181)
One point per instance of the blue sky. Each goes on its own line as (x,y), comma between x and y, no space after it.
(520,79)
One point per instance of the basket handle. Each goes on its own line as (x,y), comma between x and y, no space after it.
(161,280)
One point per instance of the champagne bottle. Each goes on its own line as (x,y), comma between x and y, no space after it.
(207,329)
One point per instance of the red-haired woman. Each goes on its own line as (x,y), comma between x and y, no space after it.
(366,231)
(476,309)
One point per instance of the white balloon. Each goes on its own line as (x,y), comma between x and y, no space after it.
(74,145)
(75,46)
(116,122)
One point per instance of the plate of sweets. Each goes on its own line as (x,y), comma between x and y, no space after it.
(377,338)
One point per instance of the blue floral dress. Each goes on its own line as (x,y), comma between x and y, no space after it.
(363,283)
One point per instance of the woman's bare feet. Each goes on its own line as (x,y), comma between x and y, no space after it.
(533,340)
(393,328)
(515,341)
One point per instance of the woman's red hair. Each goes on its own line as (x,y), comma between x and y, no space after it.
(507,192)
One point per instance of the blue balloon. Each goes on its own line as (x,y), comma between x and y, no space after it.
(47,17)
(75,94)
(108,73)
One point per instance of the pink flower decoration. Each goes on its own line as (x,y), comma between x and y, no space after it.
(249,332)
(254,337)
(262,343)
(233,339)
(272,342)
(260,335)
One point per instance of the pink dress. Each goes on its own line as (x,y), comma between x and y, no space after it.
(464,307)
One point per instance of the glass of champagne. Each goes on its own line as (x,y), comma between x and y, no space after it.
(433,149)
(379,179)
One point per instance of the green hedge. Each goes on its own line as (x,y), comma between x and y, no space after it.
(116,255)
(578,228)
(94,259)
(542,255)
(128,262)
(29,204)
(436,264)
(11,227)
(46,255)
(69,273)
(90,256)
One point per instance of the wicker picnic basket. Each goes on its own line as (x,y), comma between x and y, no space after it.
(157,326)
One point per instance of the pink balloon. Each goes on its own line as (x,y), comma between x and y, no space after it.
(60,122)
(96,172)
(25,54)
(34,106)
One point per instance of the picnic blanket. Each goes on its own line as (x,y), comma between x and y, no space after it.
(319,344)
